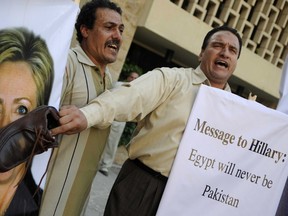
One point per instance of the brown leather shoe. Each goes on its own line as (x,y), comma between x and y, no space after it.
(27,136)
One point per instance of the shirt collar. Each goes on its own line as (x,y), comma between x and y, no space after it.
(200,78)
(84,59)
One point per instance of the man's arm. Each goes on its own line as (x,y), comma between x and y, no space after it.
(127,103)
(72,121)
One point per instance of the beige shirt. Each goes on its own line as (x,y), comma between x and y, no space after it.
(162,99)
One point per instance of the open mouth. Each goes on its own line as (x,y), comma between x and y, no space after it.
(222,63)
(113,45)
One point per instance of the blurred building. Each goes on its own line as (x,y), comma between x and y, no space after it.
(170,33)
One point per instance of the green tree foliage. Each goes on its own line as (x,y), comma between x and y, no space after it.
(127,133)
(129,67)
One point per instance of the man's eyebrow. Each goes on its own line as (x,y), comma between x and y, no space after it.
(222,42)
(113,23)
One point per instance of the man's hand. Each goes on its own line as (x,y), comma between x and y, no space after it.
(72,121)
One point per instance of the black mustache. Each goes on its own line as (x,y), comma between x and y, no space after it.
(113,42)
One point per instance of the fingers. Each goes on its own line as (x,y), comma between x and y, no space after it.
(68,109)
(63,129)
(72,121)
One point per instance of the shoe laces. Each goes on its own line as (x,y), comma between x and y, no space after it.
(43,147)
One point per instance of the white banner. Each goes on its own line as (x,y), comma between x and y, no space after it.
(53,21)
(232,159)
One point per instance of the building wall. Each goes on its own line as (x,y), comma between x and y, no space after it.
(264,33)
(131,14)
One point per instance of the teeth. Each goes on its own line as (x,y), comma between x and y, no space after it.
(222,63)
(113,46)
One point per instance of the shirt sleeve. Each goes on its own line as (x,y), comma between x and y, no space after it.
(132,101)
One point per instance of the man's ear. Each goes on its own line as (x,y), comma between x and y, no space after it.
(200,55)
(84,31)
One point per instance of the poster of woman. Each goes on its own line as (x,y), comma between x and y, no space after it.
(34,40)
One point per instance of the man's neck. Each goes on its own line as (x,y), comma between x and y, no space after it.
(217,85)
(101,67)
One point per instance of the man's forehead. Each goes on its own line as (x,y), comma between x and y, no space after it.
(108,15)
(134,74)
(225,36)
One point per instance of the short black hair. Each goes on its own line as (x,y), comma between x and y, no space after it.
(222,28)
(87,15)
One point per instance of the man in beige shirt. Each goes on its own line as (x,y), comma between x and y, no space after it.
(161,101)
(74,164)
